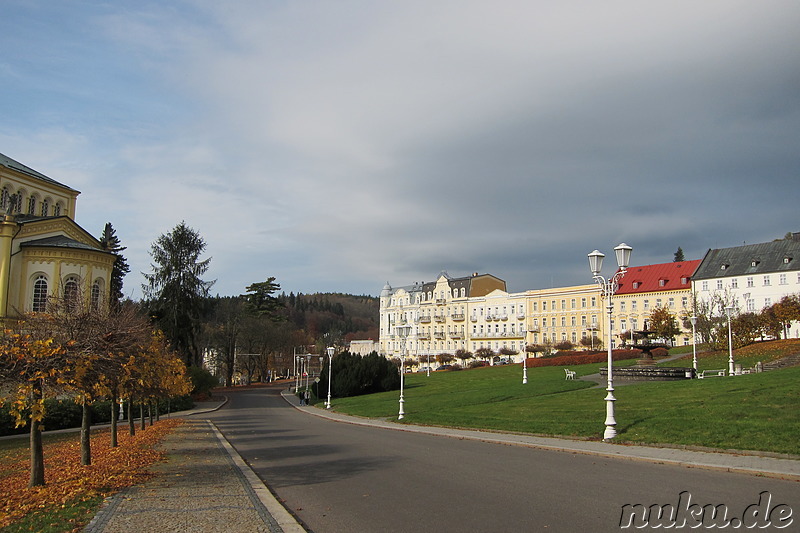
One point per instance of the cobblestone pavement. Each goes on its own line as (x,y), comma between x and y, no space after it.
(201,487)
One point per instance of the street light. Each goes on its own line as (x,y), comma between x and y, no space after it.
(330,371)
(403,331)
(728,310)
(524,367)
(694,343)
(607,289)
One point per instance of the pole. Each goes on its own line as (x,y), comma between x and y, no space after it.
(611,422)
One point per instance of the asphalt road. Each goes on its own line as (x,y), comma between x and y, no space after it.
(338,477)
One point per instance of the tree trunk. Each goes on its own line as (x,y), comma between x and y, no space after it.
(37,452)
(150,411)
(114,415)
(141,416)
(131,423)
(86,428)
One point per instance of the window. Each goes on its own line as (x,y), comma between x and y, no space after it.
(782,279)
(622,306)
(766,281)
(633,305)
(583,320)
(32,205)
(751,305)
(684,280)
(750,282)
(71,293)
(767,302)
(574,320)
(734,283)
(45,207)
(704,286)
(719,284)
(662,282)
(671,303)
(57,210)
(594,298)
(96,291)
(563,305)
(553,321)
(40,294)
(583,303)
(563,321)
(572,303)
(646,305)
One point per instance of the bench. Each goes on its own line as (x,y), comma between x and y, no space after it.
(570,373)
(710,373)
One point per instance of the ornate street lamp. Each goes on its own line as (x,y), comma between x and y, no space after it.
(607,289)
(728,310)
(524,367)
(403,331)
(331,349)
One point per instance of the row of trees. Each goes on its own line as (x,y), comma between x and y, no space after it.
(86,354)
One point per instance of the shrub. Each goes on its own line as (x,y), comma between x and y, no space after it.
(582,358)
(659,352)
(202,381)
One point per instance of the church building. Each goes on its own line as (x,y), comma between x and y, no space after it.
(44,253)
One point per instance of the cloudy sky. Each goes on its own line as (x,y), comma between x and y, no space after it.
(340,145)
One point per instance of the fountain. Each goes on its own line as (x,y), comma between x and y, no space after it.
(645,368)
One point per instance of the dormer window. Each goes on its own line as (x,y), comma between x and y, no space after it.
(787,260)
(636,284)
(754,262)
(724,266)
(662,282)
(684,280)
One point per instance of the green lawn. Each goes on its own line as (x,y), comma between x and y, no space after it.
(749,412)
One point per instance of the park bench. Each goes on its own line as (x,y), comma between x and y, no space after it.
(710,373)
(570,373)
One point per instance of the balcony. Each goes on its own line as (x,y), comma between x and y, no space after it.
(520,316)
(457,335)
(440,301)
(457,316)
(439,335)
(425,319)
(424,336)
(473,318)
(439,318)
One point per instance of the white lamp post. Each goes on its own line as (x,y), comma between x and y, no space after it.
(607,289)
(330,371)
(694,343)
(403,332)
(728,309)
(429,363)
(524,367)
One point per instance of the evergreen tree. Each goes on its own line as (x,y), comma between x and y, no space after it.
(111,243)
(176,291)
(679,255)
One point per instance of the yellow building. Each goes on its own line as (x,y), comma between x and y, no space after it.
(564,314)
(44,253)
(648,287)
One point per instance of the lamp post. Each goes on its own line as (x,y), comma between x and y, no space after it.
(403,332)
(694,343)
(728,310)
(429,363)
(330,371)
(607,289)
(524,367)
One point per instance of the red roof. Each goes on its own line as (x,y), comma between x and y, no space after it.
(662,277)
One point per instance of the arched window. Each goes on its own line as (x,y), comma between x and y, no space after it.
(45,207)
(97,291)
(32,204)
(4,198)
(71,293)
(40,294)
(57,209)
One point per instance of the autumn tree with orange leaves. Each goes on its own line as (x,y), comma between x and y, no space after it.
(32,369)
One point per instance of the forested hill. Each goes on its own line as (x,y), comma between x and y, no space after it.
(347,316)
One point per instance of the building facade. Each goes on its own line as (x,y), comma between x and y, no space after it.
(750,277)
(44,253)
(645,288)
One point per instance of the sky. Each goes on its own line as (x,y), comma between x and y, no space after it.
(338,146)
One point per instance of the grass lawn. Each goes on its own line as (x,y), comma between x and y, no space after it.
(749,412)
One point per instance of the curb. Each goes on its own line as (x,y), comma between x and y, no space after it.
(285,520)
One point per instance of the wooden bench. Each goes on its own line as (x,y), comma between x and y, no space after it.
(570,373)
(710,373)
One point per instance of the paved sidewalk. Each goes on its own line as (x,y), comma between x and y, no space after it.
(764,464)
(203,486)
